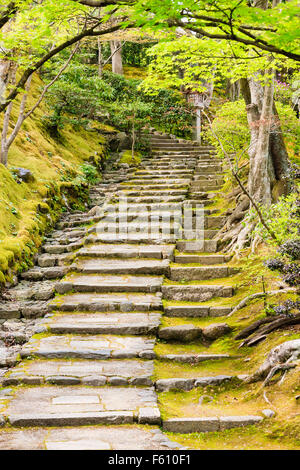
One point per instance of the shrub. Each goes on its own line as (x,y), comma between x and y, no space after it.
(291,248)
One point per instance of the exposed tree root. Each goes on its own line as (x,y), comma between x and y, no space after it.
(247,299)
(279,359)
(264,329)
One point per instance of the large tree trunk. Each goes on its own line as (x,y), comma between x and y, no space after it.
(117,63)
(261,174)
(270,174)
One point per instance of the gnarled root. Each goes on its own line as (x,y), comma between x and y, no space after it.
(279,359)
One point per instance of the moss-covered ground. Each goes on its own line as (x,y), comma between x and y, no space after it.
(55,164)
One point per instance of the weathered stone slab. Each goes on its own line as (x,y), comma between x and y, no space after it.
(107,302)
(85,438)
(189,425)
(85,368)
(228,422)
(121,266)
(77,405)
(217,380)
(193,311)
(195,293)
(201,273)
(209,246)
(201,259)
(165,385)
(87,347)
(216,330)
(109,283)
(39,274)
(194,358)
(131,323)
(127,251)
(149,415)
(183,333)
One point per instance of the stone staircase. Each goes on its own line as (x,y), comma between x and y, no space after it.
(92,359)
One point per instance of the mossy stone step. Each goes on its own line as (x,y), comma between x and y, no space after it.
(40,274)
(81,371)
(122,266)
(127,251)
(149,199)
(107,302)
(196,311)
(196,293)
(210,424)
(133,238)
(194,358)
(86,438)
(209,246)
(200,273)
(161,192)
(155,187)
(166,385)
(99,346)
(79,405)
(109,283)
(201,259)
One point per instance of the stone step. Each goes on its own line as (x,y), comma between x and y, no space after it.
(127,251)
(150,199)
(122,266)
(107,302)
(169,172)
(169,166)
(80,406)
(133,238)
(167,385)
(214,167)
(166,180)
(41,274)
(56,248)
(108,323)
(181,333)
(86,438)
(151,186)
(179,153)
(146,226)
(179,157)
(136,207)
(160,192)
(81,371)
(195,311)
(201,259)
(204,177)
(201,273)
(208,246)
(210,424)
(194,358)
(51,260)
(196,292)
(89,347)
(109,283)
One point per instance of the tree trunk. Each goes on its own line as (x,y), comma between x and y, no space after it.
(261,168)
(117,63)
(100,66)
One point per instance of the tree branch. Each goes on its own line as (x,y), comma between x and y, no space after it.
(91,32)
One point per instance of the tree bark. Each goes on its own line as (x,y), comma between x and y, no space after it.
(261,169)
(117,63)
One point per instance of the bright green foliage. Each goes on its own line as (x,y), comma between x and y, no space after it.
(80,95)
(90,172)
(231,126)
(282,218)
(272,30)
